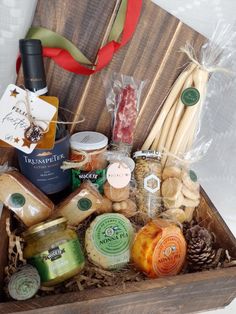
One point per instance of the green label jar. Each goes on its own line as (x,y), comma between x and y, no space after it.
(54,250)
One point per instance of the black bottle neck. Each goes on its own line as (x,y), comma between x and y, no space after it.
(33,67)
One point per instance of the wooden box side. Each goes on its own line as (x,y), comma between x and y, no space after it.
(181,294)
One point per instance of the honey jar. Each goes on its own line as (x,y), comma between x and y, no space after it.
(54,250)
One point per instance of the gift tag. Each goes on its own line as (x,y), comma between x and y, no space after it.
(129,162)
(14,121)
(118,175)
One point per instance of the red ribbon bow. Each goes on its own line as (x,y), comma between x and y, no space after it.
(105,54)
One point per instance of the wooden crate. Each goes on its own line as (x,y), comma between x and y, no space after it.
(152,54)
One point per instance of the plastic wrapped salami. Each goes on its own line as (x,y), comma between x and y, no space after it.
(123,98)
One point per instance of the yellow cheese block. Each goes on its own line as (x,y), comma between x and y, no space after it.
(80,204)
(24,199)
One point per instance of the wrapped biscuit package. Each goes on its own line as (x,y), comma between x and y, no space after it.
(180,191)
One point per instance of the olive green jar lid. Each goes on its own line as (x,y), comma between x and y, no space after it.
(45,225)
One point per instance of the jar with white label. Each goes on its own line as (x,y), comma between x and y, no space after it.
(148,177)
(88,150)
(91,147)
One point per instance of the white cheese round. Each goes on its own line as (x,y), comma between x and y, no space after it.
(108,241)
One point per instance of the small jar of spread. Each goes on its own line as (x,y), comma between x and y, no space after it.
(148,177)
(92,145)
(54,250)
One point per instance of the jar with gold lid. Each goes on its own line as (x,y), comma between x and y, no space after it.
(54,250)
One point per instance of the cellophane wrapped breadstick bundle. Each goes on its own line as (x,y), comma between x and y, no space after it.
(123,95)
(176,131)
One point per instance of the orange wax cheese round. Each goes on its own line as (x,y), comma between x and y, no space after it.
(159,249)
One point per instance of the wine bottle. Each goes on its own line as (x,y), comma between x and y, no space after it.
(42,166)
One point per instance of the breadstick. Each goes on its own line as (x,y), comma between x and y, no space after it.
(200,78)
(169,102)
(159,144)
(192,133)
(177,117)
(189,142)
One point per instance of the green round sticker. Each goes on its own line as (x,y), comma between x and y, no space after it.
(193,175)
(190,96)
(112,235)
(17,200)
(84,204)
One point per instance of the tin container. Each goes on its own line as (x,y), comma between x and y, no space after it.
(54,250)
(148,177)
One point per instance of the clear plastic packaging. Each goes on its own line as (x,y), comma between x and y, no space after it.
(80,204)
(148,178)
(122,99)
(176,132)
(29,204)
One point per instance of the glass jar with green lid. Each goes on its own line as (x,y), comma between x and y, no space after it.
(54,250)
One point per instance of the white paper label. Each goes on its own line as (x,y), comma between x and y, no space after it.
(118,175)
(129,162)
(152,183)
(13,117)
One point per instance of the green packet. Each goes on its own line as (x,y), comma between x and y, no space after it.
(97,177)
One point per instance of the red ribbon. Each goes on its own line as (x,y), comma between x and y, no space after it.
(105,54)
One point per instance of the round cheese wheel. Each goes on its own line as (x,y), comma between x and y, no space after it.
(159,249)
(108,241)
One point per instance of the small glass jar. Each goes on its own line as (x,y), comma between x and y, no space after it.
(92,144)
(148,177)
(54,250)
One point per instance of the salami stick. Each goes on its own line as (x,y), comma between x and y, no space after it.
(176,118)
(200,78)
(170,100)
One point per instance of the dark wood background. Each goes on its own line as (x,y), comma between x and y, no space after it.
(152,55)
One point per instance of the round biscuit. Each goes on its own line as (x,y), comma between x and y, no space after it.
(171,172)
(171,187)
(193,195)
(190,203)
(188,182)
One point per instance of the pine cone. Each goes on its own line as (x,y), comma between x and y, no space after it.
(188,225)
(200,253)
